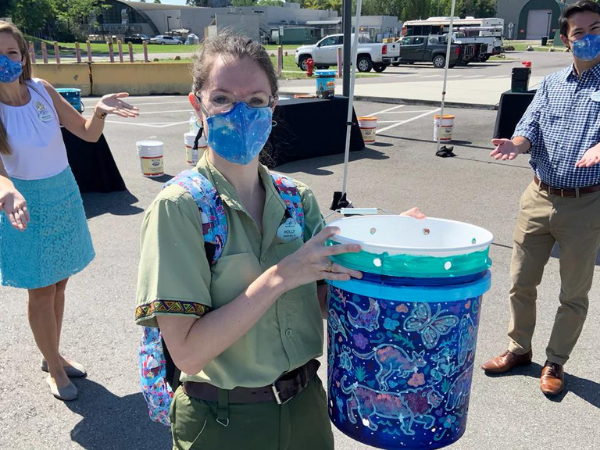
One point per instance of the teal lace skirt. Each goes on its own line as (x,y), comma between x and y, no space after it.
(57,241)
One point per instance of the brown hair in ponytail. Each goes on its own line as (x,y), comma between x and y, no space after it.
(9,28)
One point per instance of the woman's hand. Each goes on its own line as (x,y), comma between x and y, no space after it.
(414,212)
(311,262)
(15,208)
(112,104)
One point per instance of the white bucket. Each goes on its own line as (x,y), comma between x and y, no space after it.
(368,128)
(445,127)
(396,235)
(192,155)
(151,157)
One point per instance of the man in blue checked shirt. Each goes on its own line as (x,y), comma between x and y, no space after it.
(561,131)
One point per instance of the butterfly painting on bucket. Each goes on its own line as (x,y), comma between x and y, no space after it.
(430,327)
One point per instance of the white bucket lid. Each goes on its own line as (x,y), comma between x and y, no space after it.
(188,138)
(397,235)
(149,143)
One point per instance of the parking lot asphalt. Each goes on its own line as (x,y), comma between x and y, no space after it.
(397,172)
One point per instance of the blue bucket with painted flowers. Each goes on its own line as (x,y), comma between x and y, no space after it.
(401,340)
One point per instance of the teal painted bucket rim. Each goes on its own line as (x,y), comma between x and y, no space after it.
(325,73)
(409,266)
(417,294)
(68,90)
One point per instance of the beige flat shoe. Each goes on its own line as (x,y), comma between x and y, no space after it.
(75,370)
(66,394)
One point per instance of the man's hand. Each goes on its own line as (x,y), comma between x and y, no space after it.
(590,158)
(505,150)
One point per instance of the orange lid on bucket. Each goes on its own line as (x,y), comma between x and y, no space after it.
(446,116)
(367,118)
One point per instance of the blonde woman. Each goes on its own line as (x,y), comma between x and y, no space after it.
(44,238)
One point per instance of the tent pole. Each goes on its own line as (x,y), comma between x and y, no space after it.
(450,29)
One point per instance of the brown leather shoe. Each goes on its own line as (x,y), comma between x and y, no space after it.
(552,381)
(506,361)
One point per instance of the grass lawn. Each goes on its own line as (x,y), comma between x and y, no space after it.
(522,45)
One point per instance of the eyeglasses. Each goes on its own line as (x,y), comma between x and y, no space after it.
(220,102)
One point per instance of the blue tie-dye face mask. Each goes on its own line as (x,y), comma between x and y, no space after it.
(9,70)
(587,48)
(239,134)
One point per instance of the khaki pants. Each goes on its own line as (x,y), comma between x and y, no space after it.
(300,424)
(543,220)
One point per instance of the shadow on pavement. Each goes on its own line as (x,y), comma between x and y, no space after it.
(117,203)
(313,166)
(111,422)
(587,390)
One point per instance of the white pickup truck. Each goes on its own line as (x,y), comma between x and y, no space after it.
(370,55)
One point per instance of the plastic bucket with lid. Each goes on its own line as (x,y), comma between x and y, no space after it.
(193,154)
(401,340)
(151,157)
(445,128)
(73,96)
(325,83)
(368,128)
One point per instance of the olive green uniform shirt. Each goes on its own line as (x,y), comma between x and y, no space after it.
(175,278)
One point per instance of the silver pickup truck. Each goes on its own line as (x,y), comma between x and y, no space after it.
(376,56)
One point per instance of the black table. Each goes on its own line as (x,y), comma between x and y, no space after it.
(92,164)
(511,108)
(309,128)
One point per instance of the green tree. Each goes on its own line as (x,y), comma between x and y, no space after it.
(203,3)
(7,8)
(416,9)
(270,3)
(382,8)
(312,4)
(71,14)
(334,5)
(31,16)
(156,1)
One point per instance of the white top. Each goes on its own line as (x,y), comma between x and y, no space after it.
(38,149)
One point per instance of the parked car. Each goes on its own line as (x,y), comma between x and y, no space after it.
(165,40)
(427,49)
(370,55)
(136,39)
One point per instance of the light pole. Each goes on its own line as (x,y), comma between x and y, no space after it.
(549,20)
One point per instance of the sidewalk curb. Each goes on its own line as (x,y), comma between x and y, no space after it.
(406,101)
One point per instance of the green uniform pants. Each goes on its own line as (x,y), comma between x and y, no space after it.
(300,424)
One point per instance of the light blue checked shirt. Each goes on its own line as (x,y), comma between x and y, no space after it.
(562,123)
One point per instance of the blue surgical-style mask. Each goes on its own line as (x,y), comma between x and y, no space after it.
(587,48)
(239,134)
(9,70)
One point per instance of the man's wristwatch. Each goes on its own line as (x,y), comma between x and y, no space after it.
(101,115)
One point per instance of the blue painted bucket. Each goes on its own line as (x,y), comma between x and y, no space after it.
(73,96)
(401,348)
(325,83)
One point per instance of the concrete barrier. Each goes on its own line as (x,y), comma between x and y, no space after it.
(141,78)
(65,76)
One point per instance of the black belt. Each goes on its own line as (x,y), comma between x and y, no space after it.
(566,192)
(281,391)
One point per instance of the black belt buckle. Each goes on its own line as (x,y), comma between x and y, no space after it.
(289,385)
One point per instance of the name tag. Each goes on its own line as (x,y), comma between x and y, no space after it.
(595,96)
(289,230)
(43,114)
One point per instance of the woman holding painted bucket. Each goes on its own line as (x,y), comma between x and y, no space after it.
(44,237)
(245,331)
